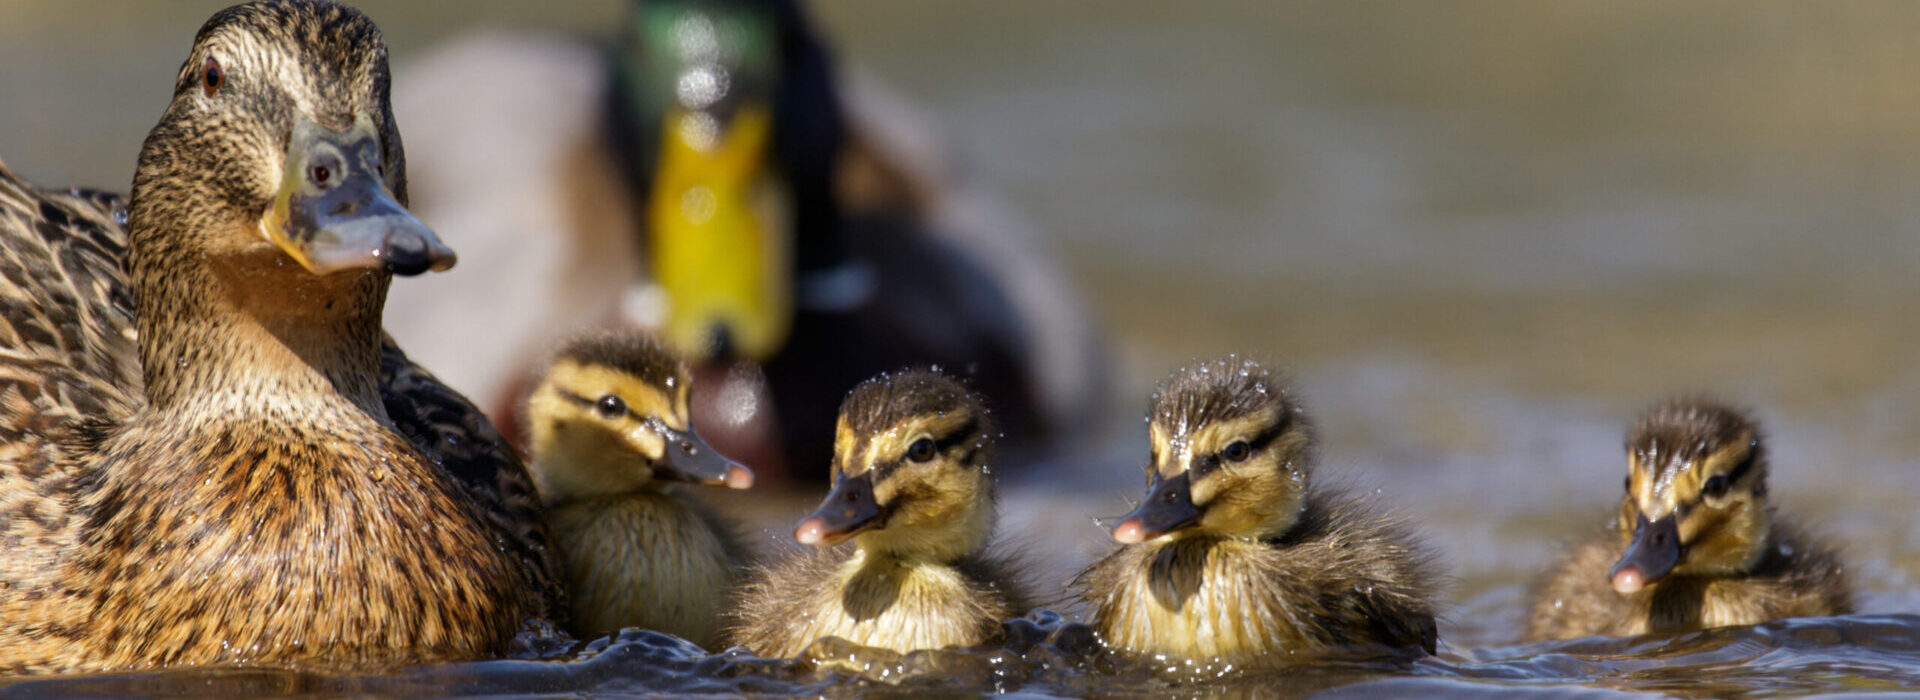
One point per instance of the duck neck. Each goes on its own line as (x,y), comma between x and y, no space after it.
(252,331)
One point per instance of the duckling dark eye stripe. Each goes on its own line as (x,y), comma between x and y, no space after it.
(576,398)
(959,435)
(1741,469)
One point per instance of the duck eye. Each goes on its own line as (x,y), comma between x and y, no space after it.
(921,450)
(211,76)
(1239,451)
(610,406)
(1715,487)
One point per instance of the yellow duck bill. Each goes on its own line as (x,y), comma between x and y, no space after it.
(334,212)
(850,509)
(1168,507)
(1650,557)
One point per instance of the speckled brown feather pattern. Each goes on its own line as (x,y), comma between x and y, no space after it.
(457,437)
(1344,575)
(67,357)
(236,490)
(1799,576)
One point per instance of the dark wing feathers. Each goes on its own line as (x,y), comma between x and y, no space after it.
(455,435)
(67,357)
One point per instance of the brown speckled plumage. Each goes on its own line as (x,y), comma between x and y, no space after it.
(240,480)
(1741,564)
(923,578)
(1267,564)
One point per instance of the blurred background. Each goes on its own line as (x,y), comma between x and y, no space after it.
(1481,235)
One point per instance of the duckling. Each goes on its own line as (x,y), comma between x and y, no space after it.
(1696,543)
(209,452)
(1234,555)
(611,441)
(912,490)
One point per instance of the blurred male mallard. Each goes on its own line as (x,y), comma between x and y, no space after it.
(712,176)
(208,452)
(1696,543)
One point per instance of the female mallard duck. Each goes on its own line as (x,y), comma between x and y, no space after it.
(709,173)
(912,489)
(611,441)
(1233,556)
(210,455)
(1696,544)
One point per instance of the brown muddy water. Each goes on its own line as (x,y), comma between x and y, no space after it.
(1481,235)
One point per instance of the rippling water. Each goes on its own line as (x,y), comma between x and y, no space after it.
(1481,234)
(1857,653)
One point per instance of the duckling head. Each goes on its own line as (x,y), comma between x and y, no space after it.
(910,473)
(610,417)
(1696,501)
(280,145)
(1231,456)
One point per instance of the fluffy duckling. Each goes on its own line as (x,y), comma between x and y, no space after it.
(1696,544)
(610,445)
(273,483)
(1233,555)
(912,490)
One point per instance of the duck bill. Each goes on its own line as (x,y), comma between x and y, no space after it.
(334,212)
(1651,555)
(689,459)
(717,251)
(1168,507)
(849,510)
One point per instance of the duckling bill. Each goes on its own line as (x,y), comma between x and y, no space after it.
(914,495)
(1696,543)
(611,445)
(1233,556)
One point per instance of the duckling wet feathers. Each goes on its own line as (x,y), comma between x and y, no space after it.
(914,493)
(1696,543)
(1234,555)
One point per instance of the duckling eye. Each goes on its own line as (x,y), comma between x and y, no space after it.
(921,450)
(1715,487)
(212,77)
(610,406)
(1238,451)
